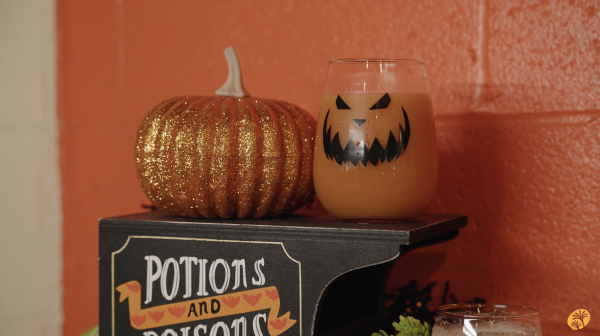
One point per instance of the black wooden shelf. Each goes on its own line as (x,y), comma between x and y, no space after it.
(343,266)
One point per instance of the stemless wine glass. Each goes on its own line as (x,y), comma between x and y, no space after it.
(486,320)
(375,151)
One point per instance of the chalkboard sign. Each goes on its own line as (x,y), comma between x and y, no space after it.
(162,275)
(206,284)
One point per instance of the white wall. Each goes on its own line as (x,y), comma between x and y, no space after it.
(30,212)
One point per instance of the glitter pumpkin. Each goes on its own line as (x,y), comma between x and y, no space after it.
(226,156)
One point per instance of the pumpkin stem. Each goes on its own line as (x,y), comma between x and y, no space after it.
(233,86)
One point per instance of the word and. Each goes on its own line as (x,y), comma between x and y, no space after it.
(193,311)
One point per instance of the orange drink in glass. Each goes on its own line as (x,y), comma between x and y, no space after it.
(375,151)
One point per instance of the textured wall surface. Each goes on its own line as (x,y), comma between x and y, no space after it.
(30,228)
(516,95)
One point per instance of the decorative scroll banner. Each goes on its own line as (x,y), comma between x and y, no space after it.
(205,308)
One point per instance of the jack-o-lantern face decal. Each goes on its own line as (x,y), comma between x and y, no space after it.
(358,150)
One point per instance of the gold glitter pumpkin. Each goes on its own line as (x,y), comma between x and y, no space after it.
(226,156)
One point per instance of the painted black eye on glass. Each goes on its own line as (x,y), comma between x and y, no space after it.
(383,103)
(341,105)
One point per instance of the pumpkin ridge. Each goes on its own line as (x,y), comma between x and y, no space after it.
(146,147)
(221,165)
(269,157)
(155,166)
(233,182)
(282,131)
(166,157)
(308,189)
(175,159)
(192,186)
(255,171)
(218,163)
(291,145)
(249,143)
(259,168)
(300,134)
(208,146)
(306,124)
(203,155)
(185,157)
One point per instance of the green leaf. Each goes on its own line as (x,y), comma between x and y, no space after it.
(92,332)
(380,333)
(408,326)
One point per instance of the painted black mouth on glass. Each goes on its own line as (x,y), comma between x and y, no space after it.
(374,155)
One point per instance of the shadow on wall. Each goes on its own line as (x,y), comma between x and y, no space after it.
(529,185)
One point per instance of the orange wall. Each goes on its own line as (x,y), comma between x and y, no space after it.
(516,95)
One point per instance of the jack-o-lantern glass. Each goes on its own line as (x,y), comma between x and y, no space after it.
(375,151)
